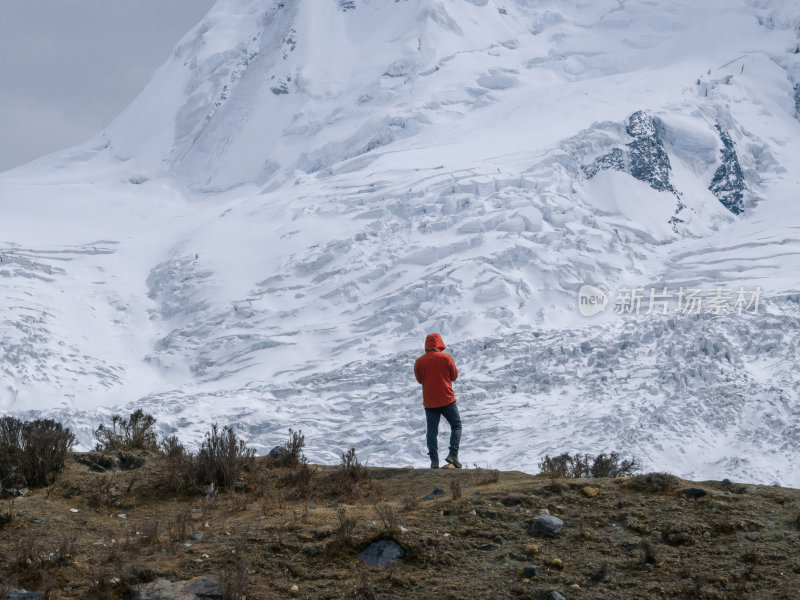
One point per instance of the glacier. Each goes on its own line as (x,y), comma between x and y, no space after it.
(306,188)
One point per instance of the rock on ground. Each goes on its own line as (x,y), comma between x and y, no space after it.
(199,588)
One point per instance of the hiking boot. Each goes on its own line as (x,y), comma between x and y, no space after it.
(434,464)
(453,460)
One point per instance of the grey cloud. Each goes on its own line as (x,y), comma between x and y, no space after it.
(67,68)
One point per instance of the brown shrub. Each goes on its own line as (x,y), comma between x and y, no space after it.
(236,575)
(6,514)
(388,516)
(485,476)
(178,527)
(291,453)
(349,475)
(32,452)
(455,489)
(648,553)
(343,535)
(222,458)
(137,431)
(584,465)
(303,481)
(410,503)
(181,473)
(654,483)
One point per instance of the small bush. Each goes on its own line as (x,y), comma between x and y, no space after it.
(103,492)
(388,516)
(557,467)
(64,549)
(351,467)
(291,453)
(32,452)
(29,551)
(649,556)
(236,575)
(485,476)
(6,515)
(151,532)
(178,528)
(181,472)
(455,489)
(611,466)
(349,475)
(654,483)
(343,535)
(377,492)
(303,480)
(137,431)
(410,503)
(222,458)
(584,465)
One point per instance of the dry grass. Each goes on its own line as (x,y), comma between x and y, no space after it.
(348,481)
(654,483)
(455,489)
(410,503)
(387,514)
(345,528)
(485,476)
(261,539)
(6,513)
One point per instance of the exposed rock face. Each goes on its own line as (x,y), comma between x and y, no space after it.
(797,99)
(728,184)
(648,161)
(645,157)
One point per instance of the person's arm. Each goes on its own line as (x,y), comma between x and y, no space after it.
(453,370)
(417,373)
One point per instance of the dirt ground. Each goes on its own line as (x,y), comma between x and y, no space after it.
(297,533)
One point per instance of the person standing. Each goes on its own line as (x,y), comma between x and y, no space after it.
(436,372)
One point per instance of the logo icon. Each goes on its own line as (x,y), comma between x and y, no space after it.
(591,300)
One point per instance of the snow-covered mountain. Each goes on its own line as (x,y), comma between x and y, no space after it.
(307,187)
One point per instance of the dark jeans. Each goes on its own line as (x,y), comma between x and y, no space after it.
(449,412)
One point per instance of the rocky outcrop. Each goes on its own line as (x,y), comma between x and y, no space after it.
(797,100)
(728,184)
(648,161)
(644,157)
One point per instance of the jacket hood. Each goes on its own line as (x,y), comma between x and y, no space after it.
(434,342)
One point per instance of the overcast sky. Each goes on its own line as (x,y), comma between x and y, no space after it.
(68,67)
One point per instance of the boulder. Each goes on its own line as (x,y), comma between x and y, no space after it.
(278,453)
(694,493)
(382,553)
(200,588)
(22,595)
(531,571)
(546,524)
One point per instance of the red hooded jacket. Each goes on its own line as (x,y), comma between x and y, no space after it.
(436,371)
